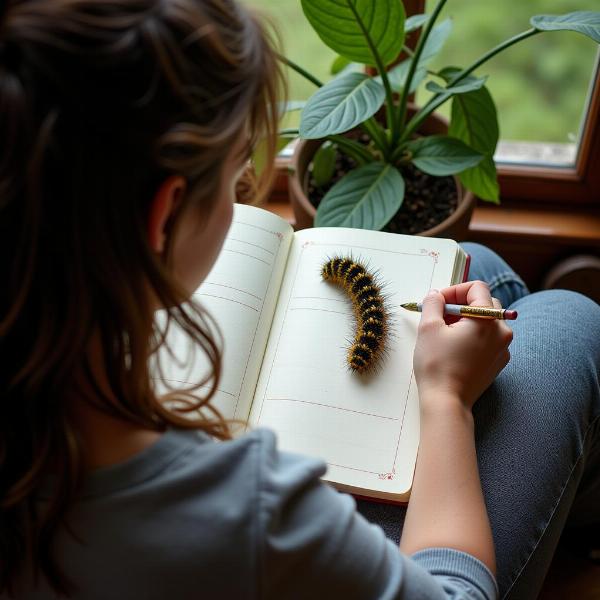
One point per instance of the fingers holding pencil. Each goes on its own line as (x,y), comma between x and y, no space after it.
(453,312)
(470,299)
(476,293)
(458,359)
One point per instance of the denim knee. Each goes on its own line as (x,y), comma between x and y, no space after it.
(565,325)
(488,266)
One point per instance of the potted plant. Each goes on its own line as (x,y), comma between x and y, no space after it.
(374,161)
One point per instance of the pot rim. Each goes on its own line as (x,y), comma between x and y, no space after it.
(466,198)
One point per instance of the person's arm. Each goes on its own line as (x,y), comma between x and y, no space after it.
(446,506)
(454,363)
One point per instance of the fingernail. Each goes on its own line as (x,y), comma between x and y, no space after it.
(432,292)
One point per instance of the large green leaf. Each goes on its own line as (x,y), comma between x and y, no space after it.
(366,198)
(345,24)
(323,163)
(448,73)
(584,21)
(482,180)
(442,155)
(437,38)
(414,22)
(473,83)
(474,121)
(340,105)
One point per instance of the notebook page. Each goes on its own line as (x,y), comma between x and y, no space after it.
(365,427)
(240,292)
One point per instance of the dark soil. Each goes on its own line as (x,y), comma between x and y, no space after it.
(428,200)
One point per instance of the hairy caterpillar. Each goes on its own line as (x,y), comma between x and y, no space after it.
(371,314)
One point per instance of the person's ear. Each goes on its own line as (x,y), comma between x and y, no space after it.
(162,208)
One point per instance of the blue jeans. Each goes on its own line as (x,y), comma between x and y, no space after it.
(537,429)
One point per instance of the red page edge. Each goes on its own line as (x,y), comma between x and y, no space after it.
(467,267)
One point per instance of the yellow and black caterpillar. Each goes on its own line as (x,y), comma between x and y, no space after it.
(369,308)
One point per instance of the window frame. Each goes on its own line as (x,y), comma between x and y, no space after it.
(579,184)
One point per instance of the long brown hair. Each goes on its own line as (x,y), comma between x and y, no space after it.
(100,101)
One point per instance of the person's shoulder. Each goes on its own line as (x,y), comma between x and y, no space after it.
(252,457)
(253,466)
(282,472)
(257,451)
(260,442)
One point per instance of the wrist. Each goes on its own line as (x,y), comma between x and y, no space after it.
(443,404)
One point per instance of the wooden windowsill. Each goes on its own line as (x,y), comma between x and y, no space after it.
(506,221)
(578,227)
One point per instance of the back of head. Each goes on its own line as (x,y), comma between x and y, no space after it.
(100,101)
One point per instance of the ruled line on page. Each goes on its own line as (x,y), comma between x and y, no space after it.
(250,244)
(358,412)
(225,298)
(232,287)
(337,312)
(345,300)
(235,222)
(248,255)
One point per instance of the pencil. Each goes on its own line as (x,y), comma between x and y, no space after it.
(477,312)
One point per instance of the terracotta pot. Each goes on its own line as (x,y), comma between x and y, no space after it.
(456,226)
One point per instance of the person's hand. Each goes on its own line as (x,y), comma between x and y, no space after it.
(458,360)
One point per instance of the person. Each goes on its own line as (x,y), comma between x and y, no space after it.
(126,125)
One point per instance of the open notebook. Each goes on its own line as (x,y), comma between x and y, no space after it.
(285,336)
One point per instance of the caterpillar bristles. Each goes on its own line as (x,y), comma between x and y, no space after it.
(369,346)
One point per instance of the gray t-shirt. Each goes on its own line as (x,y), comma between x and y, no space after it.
(189,517)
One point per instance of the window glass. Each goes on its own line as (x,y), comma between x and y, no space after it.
(540,85)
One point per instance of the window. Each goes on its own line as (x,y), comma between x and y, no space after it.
(541,86)
(546,88)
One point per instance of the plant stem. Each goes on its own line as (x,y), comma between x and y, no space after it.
(397,153)
(288,132)
(389,95)
(440,98)
(353,149)
(413,65)
(377,135)
(300,70)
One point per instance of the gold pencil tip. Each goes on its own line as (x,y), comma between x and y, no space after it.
(410,306)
